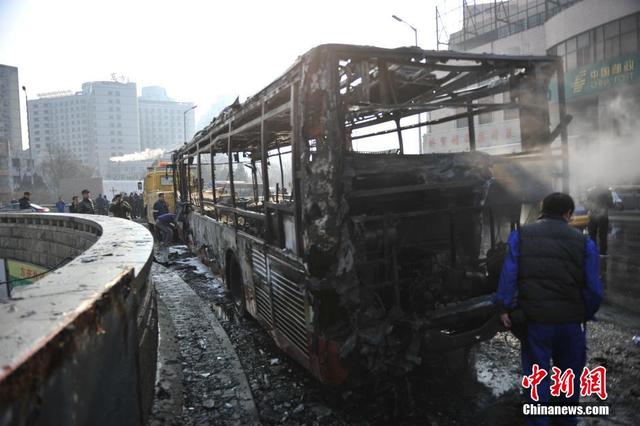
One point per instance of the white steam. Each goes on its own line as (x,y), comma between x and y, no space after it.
(147,154)
(609,154)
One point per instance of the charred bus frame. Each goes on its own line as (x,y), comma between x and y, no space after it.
(372,259)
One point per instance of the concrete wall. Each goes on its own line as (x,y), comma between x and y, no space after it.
(78,346)
(44,240)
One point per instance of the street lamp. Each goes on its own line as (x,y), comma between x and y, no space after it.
(415,31)
(184,121)
(30,166)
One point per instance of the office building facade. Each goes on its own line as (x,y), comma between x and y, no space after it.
(164,123)
(105,120)
(93,125)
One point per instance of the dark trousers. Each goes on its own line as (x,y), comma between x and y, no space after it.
(598,231)
(566,345)
(165,232)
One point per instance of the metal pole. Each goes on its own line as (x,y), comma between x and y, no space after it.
(415,35)
(30,166)
(564,139)
(415,31)
(437,31)
(472,129)
(184,121)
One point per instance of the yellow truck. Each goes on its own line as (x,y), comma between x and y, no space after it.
(158,179)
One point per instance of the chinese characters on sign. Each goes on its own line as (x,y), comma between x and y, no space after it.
(602,76)
(22,273)
(592,382)
(456,142)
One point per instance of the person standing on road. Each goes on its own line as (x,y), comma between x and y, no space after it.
(60,205)
(554,271)
(101,205)
(86,206)
(120,208)
(75,205)
(599,201)
(25,201)
(160,207)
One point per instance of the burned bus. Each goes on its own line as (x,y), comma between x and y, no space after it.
(360,258)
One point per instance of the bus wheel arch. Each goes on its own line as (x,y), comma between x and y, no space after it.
(234,281)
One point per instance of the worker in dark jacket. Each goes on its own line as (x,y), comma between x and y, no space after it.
(160,207)
(165,224)
(554,271)
(86,206)
(120,208)
(74,207)
(25,201)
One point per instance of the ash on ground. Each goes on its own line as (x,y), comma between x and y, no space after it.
(476,387)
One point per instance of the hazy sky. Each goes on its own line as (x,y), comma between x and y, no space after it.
(207,52)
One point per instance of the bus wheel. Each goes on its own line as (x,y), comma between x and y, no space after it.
(235,283)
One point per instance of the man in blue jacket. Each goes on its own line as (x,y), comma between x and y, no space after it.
(551,274)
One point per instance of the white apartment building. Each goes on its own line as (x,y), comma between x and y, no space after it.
(164,123)
(93,125)
(104,120)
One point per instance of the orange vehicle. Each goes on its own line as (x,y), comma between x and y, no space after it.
(158,179)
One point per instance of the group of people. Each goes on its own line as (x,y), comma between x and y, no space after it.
(118,207)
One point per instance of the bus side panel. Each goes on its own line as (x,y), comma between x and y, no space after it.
(214,241)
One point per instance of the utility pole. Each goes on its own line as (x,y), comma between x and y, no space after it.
(30,166)
(184,121)
(415,33)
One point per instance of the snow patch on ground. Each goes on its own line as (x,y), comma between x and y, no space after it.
(178,249)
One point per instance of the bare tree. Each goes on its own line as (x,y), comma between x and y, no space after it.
(60,164)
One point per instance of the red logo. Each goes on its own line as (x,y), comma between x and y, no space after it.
(592,382)
(531,382)
(562,383)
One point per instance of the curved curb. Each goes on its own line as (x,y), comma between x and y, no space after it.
(189,312)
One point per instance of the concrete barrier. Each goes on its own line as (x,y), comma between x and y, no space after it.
(78,347)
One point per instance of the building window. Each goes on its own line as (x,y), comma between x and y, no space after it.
(571,61)
(612,40)
(584,49)
(629,34)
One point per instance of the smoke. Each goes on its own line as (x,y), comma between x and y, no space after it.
(604,149)
(147,154)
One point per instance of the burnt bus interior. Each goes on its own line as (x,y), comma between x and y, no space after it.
(359,257)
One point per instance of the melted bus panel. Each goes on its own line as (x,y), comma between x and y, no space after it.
(360,263)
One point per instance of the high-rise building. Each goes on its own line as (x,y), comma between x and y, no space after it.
(10,132)
(105,120)
(93,125)
(164,123)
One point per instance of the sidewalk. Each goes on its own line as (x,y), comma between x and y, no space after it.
(214,385)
